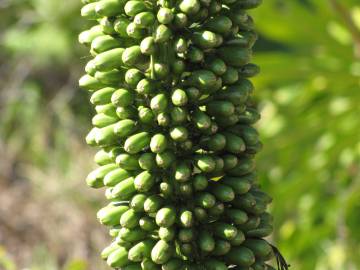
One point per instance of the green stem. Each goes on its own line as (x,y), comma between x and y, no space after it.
(152,67)
(152,57)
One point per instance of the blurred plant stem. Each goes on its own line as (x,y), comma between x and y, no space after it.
(345,15)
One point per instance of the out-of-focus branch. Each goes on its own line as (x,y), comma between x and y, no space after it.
(349,23)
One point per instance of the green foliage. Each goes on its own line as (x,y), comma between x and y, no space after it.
(42,121)
(309,92)
(76,265)
(42,30)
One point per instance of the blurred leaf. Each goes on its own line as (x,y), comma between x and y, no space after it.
(309,127)
(76,265)
(5,262)
(45,43)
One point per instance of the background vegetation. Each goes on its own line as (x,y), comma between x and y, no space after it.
(308,92)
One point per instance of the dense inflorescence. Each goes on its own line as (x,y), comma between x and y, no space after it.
(174,115)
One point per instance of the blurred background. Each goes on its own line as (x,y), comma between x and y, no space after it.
(308,92)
